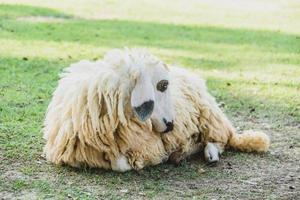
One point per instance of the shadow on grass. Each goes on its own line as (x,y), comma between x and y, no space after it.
(117,33)
(26,89)
(9,11)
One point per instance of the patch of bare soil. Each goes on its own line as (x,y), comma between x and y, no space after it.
(274,175)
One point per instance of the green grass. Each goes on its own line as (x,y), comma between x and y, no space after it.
(250,57)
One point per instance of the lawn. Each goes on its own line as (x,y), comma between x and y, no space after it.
(248,51)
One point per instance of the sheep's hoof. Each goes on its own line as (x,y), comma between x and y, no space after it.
(211,154)
(121,164)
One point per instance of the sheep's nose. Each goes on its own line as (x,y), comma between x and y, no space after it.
(169,125)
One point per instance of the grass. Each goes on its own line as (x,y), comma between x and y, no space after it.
(250,57)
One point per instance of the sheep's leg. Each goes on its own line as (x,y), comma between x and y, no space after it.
(212,152)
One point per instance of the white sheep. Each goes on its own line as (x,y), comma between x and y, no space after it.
(102,114)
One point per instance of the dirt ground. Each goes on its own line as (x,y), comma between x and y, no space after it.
(274,175)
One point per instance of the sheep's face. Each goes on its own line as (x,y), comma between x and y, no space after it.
(151,97)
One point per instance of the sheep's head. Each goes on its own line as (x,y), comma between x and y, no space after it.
(150,97)
(150,94)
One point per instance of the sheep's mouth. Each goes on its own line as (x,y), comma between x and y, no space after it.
(169,125)
(168,129)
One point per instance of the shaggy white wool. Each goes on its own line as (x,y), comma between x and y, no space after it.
(90,119)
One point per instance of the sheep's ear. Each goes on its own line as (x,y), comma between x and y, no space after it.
(142,99)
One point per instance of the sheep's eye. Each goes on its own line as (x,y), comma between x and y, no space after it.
(162,85)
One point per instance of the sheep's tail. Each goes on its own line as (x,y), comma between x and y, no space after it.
(250,141)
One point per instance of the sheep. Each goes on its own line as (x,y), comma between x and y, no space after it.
(99,113)
(131,110)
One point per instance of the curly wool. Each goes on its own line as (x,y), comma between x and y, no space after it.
(90,121)
(199,121)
